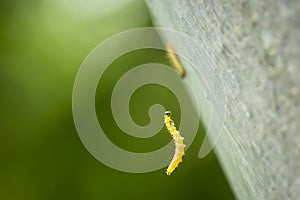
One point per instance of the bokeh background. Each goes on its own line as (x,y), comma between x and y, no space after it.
(42,45)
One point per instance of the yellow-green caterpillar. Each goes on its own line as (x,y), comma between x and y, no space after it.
(175,60)
(178,140)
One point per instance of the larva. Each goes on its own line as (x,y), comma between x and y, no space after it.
(178,140)
(175,60)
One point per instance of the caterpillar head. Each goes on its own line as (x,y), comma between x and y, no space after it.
(167,113)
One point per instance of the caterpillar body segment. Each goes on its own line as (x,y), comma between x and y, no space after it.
(178,141)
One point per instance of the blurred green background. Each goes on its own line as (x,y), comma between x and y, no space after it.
(42,46)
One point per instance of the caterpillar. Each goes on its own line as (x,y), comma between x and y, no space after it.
(175,60)
(178,140)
